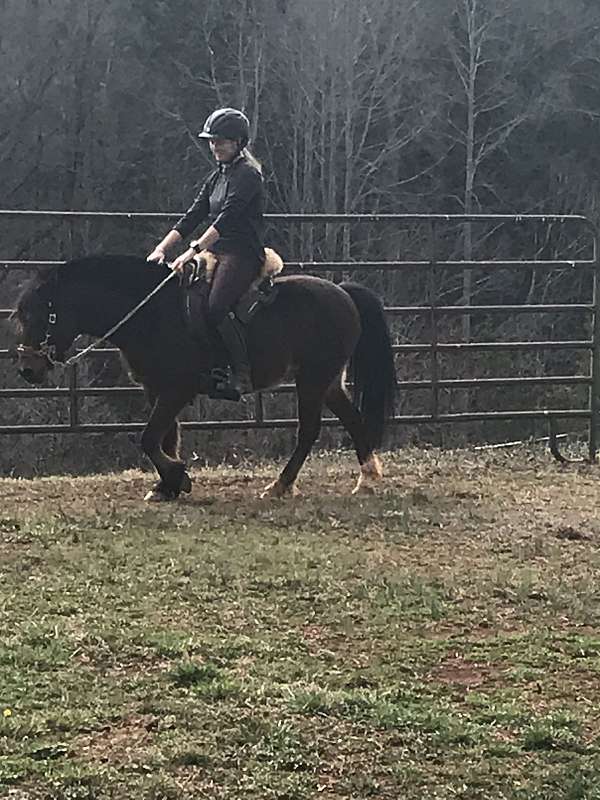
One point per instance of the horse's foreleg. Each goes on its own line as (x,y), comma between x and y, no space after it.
(172,441)
(160,443)
(310,406)
(340,404)
(172,438)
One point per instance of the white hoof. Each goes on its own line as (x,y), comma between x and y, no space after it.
(371,473)
(154,497)
(278,489)
(158,496)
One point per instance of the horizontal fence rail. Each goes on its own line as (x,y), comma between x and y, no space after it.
(433,311)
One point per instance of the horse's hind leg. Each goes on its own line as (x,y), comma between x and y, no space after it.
(339,403)
(310,407)
(160,442)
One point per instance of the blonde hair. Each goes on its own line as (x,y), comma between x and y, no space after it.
(251,159)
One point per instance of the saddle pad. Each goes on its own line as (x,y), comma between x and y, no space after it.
(273,264)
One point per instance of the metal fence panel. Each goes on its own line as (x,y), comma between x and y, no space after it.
(435,310)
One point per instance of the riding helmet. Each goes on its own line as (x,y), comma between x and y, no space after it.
(227,123)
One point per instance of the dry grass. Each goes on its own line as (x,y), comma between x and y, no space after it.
(438,639)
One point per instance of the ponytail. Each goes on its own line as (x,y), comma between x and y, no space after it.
(252,160)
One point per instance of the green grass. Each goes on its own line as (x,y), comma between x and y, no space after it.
(436,640)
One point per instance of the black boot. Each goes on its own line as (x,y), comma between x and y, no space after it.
(233,386)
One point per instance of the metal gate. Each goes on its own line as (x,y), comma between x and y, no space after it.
(432,307)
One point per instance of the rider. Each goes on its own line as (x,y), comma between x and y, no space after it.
(232,200)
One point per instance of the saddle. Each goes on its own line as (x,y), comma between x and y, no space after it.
(196,280)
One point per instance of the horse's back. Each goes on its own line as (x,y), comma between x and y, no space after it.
(310,293)
(312,322)
(307,298)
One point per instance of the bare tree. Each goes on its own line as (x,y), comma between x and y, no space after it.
(350,73)
(490,103)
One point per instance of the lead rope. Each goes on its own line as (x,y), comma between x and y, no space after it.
(119,324)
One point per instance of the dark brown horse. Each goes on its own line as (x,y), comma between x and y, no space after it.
(309,333)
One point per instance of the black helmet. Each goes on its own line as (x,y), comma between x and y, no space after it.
(227,123)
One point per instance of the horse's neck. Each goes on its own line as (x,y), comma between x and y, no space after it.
(100,309)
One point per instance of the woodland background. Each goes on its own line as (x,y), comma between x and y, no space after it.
(357,106)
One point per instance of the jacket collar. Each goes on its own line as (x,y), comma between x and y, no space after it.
(225,168)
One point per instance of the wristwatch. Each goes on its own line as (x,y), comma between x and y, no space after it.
(195,247)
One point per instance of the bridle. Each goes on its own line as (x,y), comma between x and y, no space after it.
(46,349)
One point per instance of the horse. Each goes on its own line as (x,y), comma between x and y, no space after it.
(310,333)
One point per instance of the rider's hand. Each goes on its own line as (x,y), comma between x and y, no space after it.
(158,255)
(182,260)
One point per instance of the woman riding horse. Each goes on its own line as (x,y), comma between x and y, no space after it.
(232,199)
(313,327)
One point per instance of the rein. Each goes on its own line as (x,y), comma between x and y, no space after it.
(48,350)
(122,322)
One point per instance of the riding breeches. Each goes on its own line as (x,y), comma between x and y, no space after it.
(232,277)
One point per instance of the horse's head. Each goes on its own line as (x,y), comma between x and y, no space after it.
(45,329)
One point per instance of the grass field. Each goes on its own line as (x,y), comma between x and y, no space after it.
(438,639)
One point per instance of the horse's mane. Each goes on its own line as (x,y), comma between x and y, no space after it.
(127,274)
(124,274)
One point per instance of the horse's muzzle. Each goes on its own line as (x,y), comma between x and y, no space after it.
(33,368)
(31,376)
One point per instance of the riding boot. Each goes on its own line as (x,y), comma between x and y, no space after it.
(239,382)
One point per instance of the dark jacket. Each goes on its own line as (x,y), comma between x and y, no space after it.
(232,200)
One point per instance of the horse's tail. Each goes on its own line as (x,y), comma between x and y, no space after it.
(372,367)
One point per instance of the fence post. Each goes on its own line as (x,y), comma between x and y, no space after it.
(433,320)
(73,397)
(594,398)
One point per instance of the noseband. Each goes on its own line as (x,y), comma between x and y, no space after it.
(46,348)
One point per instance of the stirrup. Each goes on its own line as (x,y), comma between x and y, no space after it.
(222,386)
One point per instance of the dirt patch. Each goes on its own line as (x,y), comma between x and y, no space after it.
(125,743)
(466,674)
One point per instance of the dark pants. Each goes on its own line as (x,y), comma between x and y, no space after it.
(231,279)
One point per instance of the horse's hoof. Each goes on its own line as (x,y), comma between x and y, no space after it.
(186,483)
(161,494)
(371,473)
(154,496)
(278,489)
(363,488)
